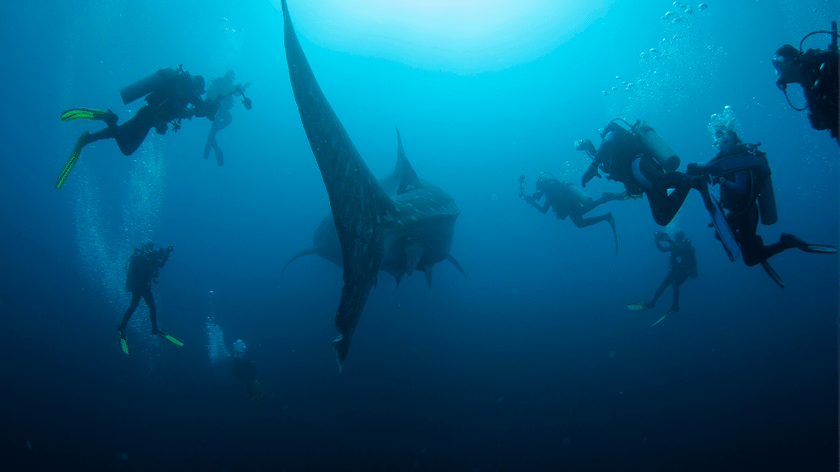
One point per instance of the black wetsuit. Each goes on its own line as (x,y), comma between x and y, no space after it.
(246,371)
(566,203)
(219,87)
(683,263)
(819,82)
(168,103)
(739,193)
(142,269)
(622,157)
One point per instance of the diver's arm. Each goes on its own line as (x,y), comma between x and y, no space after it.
(163,256)
(533,202)
(662,247)
(740,184)
(603,155)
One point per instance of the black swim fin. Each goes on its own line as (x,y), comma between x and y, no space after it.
(792,241)
(772,273)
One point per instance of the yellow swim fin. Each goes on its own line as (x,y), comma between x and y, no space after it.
(83,114)
(71,160)
(123,342)
(169,338)
(665,316)
(638,306)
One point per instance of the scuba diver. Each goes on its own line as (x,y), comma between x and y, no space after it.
(817,71)
(222,89)
(169,93)
(142,268)
(567,200)
(246,370)
(637,157)
(746,194)
(683,264)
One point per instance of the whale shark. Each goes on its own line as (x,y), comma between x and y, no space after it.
(400,225)
(326,243)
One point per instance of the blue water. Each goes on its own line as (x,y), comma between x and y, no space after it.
(529,362)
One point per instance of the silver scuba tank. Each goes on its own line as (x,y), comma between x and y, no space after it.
(658,149)
(146,85)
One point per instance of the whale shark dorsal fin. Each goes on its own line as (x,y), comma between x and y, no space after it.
(409,180)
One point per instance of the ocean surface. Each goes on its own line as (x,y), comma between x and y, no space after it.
(531,361)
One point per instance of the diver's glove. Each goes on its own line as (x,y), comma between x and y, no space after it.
(528,199)
(589,174)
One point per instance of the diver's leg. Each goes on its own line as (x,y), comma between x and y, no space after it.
(221,122)
(130,135)
(665,283)
(106,133)
(135,300)
(605,197)
(678,280)
(582,222)
(211,139)
(150,302)
(753,250)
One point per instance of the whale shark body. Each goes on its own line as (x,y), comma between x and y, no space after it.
(399,224)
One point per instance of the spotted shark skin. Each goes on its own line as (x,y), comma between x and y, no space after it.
(411,228)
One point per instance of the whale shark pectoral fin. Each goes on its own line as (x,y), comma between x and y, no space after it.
(306,252)
(429,275)
(413,254)
(353,298)
(456,264)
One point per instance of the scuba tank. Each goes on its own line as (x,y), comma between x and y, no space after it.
(579,194)
(146,85)
(656,147)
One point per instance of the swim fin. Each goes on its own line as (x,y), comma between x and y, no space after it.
(821,249)
(727,238)
(670,312)
(611,221)
(169,338)
(639,306)
(71,160)
(772,273)
(793,241)
(123,341)
(83,114)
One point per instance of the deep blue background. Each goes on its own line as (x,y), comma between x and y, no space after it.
(531,361)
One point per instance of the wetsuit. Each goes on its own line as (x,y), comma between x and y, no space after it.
(622,157)
(142,269)
(742,173)
(566,203)
(168,103)
(683,264)
(219,87)
(819,82)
